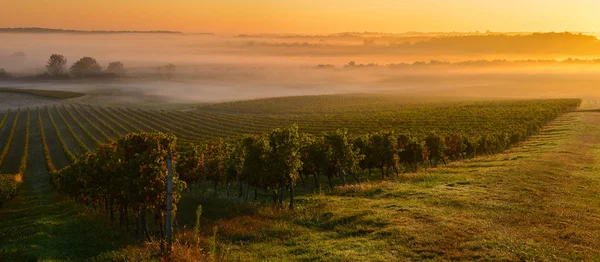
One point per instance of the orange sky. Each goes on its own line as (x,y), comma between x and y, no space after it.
(306,16)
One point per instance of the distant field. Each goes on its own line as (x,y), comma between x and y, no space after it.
(72,129)
(40,138)
(9,100)
(362,113)
(53,94)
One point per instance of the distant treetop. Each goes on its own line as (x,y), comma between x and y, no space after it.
(51,30)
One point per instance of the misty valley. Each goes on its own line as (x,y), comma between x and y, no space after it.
(357,146)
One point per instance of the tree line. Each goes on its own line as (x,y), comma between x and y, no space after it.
(84,67)
(88,67)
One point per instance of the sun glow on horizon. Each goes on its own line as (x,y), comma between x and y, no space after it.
(308,17)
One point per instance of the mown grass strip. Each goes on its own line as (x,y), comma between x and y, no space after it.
(64,146)
(80,125)
(10,183)
(4,118)
(10,137)
(23,165)
(47,156)
(71,131)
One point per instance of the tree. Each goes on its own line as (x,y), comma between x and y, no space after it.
(436,147)
(4,74)
(189,164)
(256,161)
(167,71)
(86,66)
(234,164)
(365,146)
(215,162)
(142,158)
(342,154)
(413,152)
(385,148)
(315,159)
(117,68)
(284,160)
(56,65)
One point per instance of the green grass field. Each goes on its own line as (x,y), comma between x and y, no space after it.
(536,201)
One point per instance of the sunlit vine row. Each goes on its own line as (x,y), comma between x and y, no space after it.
(94,126)
(64,146)
(47,156)
(81,127)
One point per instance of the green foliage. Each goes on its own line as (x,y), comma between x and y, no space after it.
(275,160)
(10,183)
(256,162)
(4,74)
(3,122)
(130,173)
(116,68)
(436,147)
(284,158)
(47,157)
(215,157)
(385,150)
(23,163)
(86,66)
(190,164)
(213,241)
(342,154)
(56,65)
(8,187)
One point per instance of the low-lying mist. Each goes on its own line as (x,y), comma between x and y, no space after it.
(212,68)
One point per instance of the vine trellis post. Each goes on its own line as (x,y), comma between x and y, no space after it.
(168,227)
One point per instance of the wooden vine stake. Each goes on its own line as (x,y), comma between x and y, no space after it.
(169,202)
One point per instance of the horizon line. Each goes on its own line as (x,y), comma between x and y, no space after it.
(63,30)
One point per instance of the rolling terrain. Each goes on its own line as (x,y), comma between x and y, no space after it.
(483,204)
